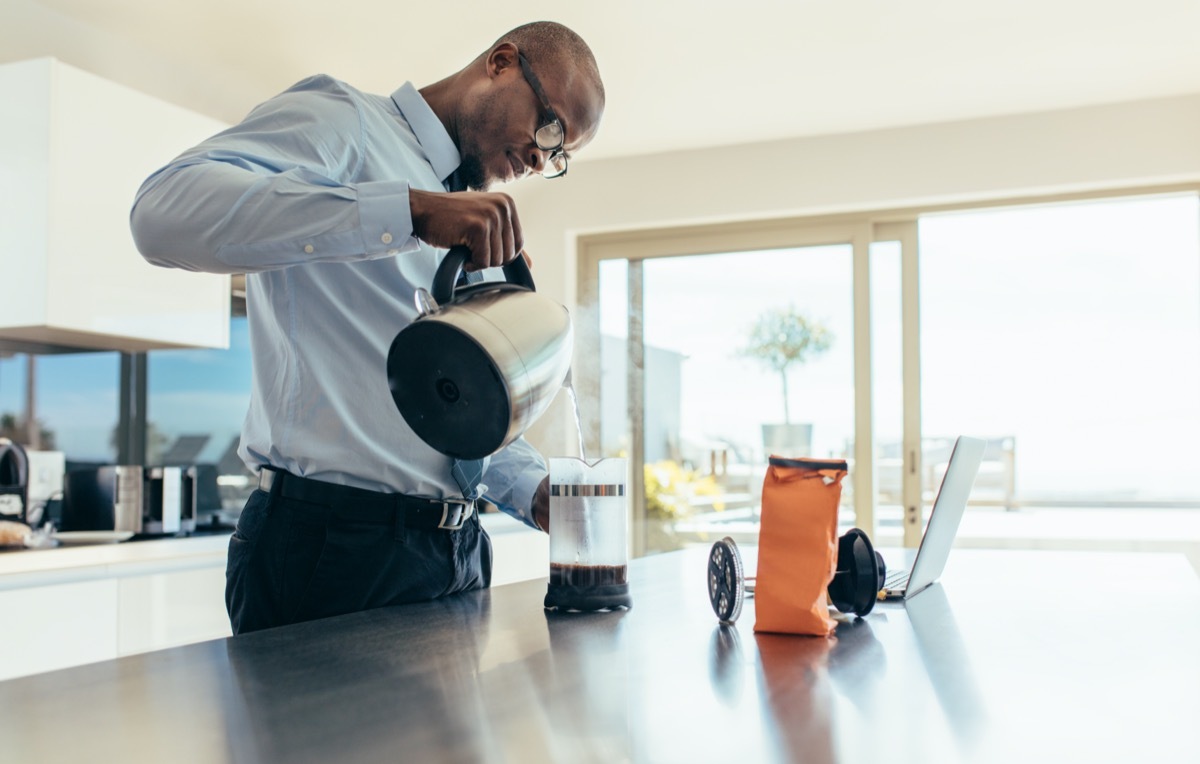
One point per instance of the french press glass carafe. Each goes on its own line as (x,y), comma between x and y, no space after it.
(589,522)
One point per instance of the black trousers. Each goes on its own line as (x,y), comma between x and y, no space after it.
(294,560)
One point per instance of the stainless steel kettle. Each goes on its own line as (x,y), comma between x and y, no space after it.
(481,362)
(14,481)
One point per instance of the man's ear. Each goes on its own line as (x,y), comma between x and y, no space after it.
(502,58)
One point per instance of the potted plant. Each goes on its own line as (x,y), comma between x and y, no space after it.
(782,339)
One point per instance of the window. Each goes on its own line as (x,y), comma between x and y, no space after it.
(712,410)
(197,400)
(1067,335)
(74,402)
(1073,331)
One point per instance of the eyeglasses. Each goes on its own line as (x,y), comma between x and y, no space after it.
(549,136)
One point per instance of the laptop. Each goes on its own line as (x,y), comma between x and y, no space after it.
(944,518)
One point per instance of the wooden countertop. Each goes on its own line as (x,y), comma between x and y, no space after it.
(1017,656)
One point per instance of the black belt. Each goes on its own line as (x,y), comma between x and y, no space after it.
(369,506)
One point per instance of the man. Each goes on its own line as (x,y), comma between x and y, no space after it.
(338,205)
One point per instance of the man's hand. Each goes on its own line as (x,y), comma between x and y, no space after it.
(485,223)
(541,505)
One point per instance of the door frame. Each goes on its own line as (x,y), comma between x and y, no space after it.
(856,232)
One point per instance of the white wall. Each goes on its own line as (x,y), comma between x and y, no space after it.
(1093,148)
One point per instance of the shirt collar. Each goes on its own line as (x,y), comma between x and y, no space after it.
(431,133)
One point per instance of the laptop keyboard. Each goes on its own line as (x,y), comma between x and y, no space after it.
(896,579)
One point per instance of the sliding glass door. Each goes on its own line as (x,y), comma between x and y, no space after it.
(709,362)
(1069,335)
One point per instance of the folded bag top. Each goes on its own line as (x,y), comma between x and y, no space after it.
(797,547)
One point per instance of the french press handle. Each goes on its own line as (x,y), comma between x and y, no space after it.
(445,281)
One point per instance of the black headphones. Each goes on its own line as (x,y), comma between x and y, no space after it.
(854,589)
(860,574)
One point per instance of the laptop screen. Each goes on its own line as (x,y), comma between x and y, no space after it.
(946,514)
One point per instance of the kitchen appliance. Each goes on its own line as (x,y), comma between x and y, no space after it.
(589,524)
(14,481)
(104,498)
(210,514)
(46,471)
(481,362)
(170,500)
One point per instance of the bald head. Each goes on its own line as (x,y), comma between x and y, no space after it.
(554,45)
(493,110)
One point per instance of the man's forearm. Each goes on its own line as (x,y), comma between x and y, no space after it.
(216,216)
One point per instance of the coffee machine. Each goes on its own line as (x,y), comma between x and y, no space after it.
(107,497)
(169,500)
(153,501)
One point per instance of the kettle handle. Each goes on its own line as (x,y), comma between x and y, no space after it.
(14,472)
(516,271)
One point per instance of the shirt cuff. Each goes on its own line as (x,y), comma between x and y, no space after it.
(522,497)
(385,218)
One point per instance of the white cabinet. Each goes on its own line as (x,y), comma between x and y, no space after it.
(169,609)
(74,605)
(69,624)
(52,627)
(518,553)
(74,148)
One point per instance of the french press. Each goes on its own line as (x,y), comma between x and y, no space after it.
(589,521)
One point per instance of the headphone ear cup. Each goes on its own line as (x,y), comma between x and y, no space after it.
(855,586)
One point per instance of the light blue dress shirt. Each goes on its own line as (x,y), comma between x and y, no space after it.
(308,197)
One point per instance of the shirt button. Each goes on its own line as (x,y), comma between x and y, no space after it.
(393,251)
(386,238)
(308,249)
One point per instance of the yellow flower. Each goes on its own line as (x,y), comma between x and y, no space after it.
(670,489)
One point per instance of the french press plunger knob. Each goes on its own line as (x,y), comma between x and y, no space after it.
(726,580)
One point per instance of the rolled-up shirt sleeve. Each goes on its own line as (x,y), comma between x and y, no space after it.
(512,477)
(276,190)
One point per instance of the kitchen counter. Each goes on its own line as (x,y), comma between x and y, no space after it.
(1017,656)
(22,568)
(40,567)
(144,595)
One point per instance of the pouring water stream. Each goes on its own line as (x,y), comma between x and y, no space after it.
(567,383)
(578,420)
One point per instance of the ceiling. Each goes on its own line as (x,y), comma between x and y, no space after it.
(679,74)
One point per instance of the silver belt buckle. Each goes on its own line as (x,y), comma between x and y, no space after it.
(455,512)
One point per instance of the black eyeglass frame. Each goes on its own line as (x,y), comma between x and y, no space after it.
(557,154)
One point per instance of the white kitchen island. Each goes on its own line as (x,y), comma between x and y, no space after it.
(80,604)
